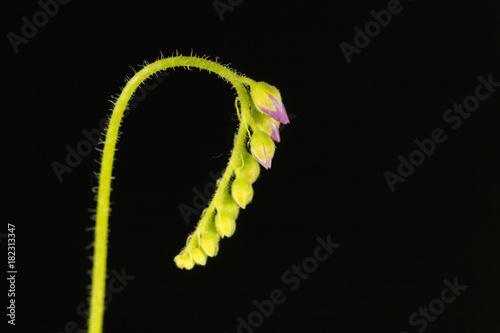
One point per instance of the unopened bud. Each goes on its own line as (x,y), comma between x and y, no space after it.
(210,244)
(267,124)
(184,260)
(225,224)
(199,257)
(267,98)
(247,167)
(262,148)
(229,204)
(242,192)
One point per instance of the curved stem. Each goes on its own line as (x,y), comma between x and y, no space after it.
(101,229)
(239,146)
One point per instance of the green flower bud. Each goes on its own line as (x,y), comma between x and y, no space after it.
(210,244)
(199,257)
(188,263)
(209,240)
(229,204)
(262,148)
(225,224)
(267,124)
(242,192)
(179,261)
(247,167)
(184,260)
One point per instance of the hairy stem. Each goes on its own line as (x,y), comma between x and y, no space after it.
(98,291)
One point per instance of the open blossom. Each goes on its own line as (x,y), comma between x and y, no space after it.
(267,99)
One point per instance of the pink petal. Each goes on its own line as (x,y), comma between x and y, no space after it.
(267,163)
(275,134)
(279,113)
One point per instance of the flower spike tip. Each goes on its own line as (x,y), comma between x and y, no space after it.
(267,99)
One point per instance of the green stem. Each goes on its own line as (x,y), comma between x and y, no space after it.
(98,291)
(239,147)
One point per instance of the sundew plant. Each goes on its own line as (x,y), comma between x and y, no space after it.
(260,111)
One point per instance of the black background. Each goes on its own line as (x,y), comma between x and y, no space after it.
(349,124)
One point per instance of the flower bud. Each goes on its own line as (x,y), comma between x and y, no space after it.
(199,257)
(184,260)
(229,204)
(179,261)
(209,241)
(225,224)
(267,124)
(210,244)
(262,148)
(267,99)
(242,192)
(247,167)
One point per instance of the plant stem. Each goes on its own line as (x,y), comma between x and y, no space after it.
(98,291)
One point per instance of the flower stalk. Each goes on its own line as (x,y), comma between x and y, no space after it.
(234,189)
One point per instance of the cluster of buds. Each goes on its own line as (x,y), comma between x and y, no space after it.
(267,112)
(205,242)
